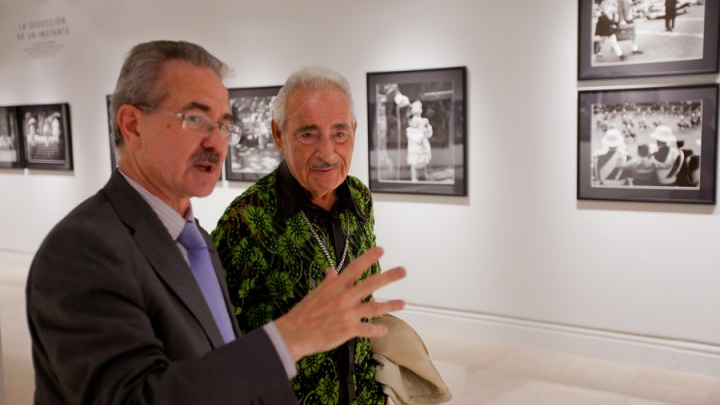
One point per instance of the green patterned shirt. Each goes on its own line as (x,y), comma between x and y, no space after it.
(272,261)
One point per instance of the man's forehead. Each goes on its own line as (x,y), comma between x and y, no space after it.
(195,87)
(326,98)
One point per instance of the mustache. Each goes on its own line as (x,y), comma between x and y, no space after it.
(324,165)
(206,155)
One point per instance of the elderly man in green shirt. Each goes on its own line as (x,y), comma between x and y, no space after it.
(278,238)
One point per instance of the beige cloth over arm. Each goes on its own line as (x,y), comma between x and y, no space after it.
(404,366)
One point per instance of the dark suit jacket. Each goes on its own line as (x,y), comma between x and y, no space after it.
(116,317)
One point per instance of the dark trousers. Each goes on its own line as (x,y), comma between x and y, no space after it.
(670,23)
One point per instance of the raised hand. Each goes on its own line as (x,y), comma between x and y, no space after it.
(333,312)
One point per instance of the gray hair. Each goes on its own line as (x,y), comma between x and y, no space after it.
(140,74)
(310,78)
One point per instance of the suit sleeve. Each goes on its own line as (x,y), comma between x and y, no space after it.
(105,332)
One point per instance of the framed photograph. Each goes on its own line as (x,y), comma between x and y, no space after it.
(651,144)
(253,154)
(111,139)
(11,154)
(46,136)
(634,38)
(417,135)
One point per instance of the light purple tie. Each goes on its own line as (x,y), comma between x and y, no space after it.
(204,272)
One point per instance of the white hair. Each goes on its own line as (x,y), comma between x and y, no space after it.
(310,78)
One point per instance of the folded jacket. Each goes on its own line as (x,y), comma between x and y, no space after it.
(404,367)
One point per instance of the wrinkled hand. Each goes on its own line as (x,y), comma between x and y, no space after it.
(332,313)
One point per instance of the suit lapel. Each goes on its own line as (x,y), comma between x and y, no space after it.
(161,252)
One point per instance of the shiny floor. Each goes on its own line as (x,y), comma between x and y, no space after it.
(489,373)
(477,372)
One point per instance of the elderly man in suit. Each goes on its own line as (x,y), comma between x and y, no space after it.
(126,299)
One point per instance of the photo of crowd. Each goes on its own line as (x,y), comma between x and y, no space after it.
(646,144)
(253,154)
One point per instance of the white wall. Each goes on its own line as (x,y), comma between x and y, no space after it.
(518,259)
(2,377)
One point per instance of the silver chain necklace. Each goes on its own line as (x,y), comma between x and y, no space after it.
(322,245)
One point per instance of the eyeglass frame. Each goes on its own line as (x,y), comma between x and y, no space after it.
(231,131)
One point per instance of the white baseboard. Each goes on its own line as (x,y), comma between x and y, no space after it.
(15,258)
(610,345)
(657,352)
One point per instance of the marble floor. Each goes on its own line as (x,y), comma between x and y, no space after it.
(489,373)
(477,372)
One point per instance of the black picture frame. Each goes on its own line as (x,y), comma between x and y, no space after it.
(440,161)
(111,139)
(46,136)
(651,173)
(254,154)
(691,48)
(11,152)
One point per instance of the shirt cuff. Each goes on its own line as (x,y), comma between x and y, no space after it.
(281,348)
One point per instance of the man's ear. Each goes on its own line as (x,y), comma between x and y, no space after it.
(277,135)
(127,118)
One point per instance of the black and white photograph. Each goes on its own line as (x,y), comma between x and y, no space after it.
(10,145)
(634,38)
(653,144)
(416,122)
(111,139)
(253,154)
(46,136)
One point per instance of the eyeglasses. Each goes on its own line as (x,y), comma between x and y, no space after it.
(194,121)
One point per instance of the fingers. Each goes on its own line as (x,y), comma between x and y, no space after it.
(371,310)
(335,311)
(374,309)
(373,283)
(368,286)
(358,266)
(369,330)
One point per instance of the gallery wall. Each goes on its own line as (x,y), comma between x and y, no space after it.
(519,259)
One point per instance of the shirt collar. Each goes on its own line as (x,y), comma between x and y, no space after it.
(292,197)
(174,223)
